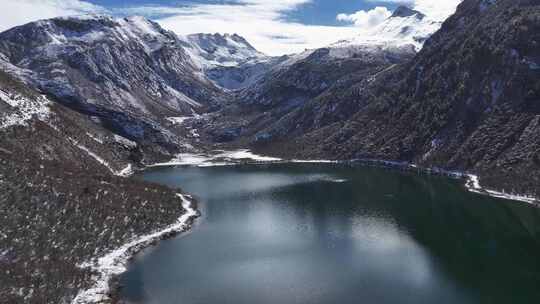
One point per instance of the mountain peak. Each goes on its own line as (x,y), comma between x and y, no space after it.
(211,40)
(86,27)
(222,49)
(404,11)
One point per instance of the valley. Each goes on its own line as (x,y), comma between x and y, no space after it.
(88,101)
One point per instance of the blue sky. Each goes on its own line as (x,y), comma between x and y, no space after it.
(324,12)
(273,26)
(317,12)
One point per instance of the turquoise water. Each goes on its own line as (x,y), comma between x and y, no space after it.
(315,233)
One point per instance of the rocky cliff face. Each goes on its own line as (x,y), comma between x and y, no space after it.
(469,100)
(129,73)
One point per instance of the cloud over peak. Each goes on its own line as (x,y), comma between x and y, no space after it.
(435,10)
(368,18)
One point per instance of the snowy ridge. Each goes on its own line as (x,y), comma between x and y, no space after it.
(229,61)
(114,262)
(127,63)
(212,50)
(135,28)
(24,109)
(398,30)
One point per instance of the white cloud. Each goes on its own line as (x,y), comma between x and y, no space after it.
(367,19)
(437,10)
(18,12)
(261,22)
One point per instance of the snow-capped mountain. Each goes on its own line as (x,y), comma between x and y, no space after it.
(211,50)
(129,65)
(401,35)
(468,101)
(228,60)
(405,26)
(129,74)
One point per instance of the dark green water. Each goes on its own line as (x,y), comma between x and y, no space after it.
(293,233)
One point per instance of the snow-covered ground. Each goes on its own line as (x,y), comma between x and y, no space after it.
(224,158)
(473,185)
(472,182)
(211,50)
(114,262)
(219,158)
(127,171)
(24,109)
(178,120)
(400,30)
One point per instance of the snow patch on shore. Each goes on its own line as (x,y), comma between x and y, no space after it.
(247,154)
(472,182)
(219,158)
(227,158)
(114,263)
(320,161)
(473,185)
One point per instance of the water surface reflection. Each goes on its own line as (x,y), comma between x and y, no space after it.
(293,233)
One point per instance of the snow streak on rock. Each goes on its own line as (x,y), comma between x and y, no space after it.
(127,171)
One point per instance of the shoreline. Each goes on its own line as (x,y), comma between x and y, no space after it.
(472,181)
(235,157)
(109,266)
(114,263)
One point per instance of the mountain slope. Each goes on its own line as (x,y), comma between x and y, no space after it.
(228,60)
(129,63)
(274,105)
(211,50)
(261,111)
(129,73)
(62,201)
(470,100)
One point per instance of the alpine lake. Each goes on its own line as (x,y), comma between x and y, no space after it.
(294,233)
